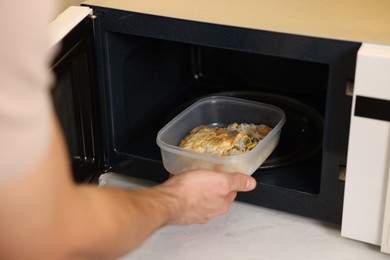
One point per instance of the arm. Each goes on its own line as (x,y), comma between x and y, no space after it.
(45,215)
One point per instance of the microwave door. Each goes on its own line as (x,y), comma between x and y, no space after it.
(65,22)
(72,34)
(368,162)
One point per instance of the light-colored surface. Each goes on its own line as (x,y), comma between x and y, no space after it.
(249,232)
(65,22)
(368,151)
(385,245)
(361,21)
(64,4)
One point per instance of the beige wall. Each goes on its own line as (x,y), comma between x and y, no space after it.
(66,3)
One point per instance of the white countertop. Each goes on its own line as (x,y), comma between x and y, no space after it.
(251,232)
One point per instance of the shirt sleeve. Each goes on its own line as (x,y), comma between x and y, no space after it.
(25,77)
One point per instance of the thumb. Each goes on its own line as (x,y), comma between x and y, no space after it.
(242,182)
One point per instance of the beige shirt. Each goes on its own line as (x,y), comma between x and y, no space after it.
(25,104)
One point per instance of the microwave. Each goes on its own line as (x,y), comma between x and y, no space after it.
(124,69)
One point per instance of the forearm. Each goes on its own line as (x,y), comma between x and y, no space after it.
(110,222)
(45,215)
(50,217)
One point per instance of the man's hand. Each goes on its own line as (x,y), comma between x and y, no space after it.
(51,217)
(198,196)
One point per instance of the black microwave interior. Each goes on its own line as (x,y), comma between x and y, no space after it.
(153,80)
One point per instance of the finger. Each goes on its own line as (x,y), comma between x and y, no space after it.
(242,182)
(231,196)
(226,205)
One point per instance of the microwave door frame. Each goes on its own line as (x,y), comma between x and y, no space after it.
(65,22)
(71,34)
(366,211)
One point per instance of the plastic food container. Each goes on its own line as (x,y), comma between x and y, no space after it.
(219,111)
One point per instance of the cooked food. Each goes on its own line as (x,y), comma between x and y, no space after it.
(211,140)
(231,140)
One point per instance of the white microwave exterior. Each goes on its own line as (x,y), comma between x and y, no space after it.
(368,158)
